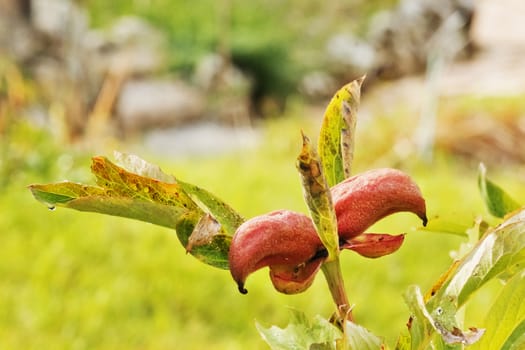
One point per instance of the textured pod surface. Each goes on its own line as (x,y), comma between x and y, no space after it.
(289,279)
(361,200)
(374,245)
(284,239)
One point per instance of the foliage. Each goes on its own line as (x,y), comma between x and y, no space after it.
(318,200)
(505,319)
(302,333)
(203,224)
(434,321)
(498,202)
(337,135)
(498,254)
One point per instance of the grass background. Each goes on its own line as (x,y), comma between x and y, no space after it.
(72,280)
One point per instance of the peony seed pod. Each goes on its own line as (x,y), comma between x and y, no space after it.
(295,279)
(374,245)
(284,240)
(361,200)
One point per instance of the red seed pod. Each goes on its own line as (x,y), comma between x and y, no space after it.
(374,245)
(284,240)
(361,200)
(289,279)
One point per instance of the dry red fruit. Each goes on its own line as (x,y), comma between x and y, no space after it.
(289,279)
(364,199)
(374,245)
(287,242)
(275,239)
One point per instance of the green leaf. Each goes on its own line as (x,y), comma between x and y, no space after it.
(420,323)
(222,212)
(318,198)
(516,341)
(99,200)
(358,337)
(208,202)
(204,228)
(301,333)
(403,342)
(119,182)
(498,202)
(506,317)
(425,325)
(337,135)
(446,225)
(501,251)
(62,193)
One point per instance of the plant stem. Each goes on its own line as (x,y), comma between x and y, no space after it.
(334,277)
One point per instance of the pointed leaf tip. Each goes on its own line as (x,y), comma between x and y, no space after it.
(143,192)
(337,134)
(498,202)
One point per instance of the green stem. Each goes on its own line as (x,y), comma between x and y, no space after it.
(334,277)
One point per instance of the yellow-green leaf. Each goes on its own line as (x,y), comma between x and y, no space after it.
(337,135)
(222,212)
(501,251)
(318,198)
(301,333)
(505,315)
(152,196)
(424,325)
(498,202)
(100,200)
(358,337)
(516,340)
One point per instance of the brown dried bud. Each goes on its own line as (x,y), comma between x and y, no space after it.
(361,200)
(284,240)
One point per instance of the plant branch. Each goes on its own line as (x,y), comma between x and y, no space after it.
(334,277)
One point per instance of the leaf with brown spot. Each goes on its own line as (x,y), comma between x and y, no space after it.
(156,198)
(318,198)
(337,135)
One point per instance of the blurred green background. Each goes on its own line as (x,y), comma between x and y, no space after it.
(71,280)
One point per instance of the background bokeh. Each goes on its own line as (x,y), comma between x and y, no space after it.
(216,93)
